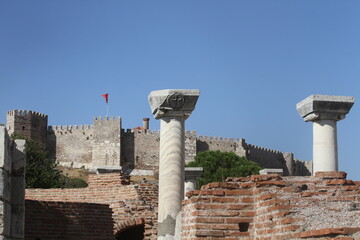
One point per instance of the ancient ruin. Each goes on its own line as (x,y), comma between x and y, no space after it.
(106,144)
(323,206)
(324,111)
(172,107)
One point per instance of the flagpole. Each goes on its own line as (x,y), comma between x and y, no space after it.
(107,109)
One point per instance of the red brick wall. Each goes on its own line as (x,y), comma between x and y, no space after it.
(129,205)
(326,206)
(64,220)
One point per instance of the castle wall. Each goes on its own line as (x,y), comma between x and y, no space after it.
(29,124)
(268,158)
(71,145)
(146,149)
(190,146)
(105,143)
(106,148)
(326,206)
(302,168)
(205,143)
(107,200)
(141,148)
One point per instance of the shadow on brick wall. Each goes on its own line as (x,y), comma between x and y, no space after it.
(47,220)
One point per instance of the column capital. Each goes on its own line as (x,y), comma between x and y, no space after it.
(173,102)
(324,107)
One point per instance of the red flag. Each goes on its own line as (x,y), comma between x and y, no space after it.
(106,96)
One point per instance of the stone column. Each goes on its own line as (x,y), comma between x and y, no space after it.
(324,111)
(192,174)
(172,107)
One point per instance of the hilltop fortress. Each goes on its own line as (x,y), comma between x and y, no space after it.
(106,144)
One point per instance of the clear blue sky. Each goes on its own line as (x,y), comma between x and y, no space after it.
(251,60)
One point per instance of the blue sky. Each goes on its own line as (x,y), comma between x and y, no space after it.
(251,60)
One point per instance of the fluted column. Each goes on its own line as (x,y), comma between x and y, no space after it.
(172,107)
(324,111)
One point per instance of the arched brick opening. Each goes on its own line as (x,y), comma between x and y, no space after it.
(131,230)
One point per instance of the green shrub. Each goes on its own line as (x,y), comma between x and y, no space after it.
(220,165)
(75,183)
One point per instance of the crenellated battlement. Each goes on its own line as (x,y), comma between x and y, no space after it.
(263,149)
(219,139)
(106,143)
(26,113)
(71,127)
(111,118)
(141,131)
(188,132)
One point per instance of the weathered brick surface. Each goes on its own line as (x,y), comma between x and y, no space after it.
(76,211)
(326,206)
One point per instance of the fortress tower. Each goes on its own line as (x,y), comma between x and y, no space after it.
(29,124)
(106,150)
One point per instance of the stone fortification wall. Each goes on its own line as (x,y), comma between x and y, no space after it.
(71,145)
(268,158)
(205,143)
(302,168)
(29,124)
(190,146)
(80,211)
(12,187)
(140,149)
(86,146)
(105,143)
(326,206)
(106,149)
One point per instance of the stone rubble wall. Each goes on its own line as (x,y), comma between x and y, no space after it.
(140,149)
(71,145)
(124,206)
(106,149)
(12,187)
(326,206)
(29,124)
(105,143)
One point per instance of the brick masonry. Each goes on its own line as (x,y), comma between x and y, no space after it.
(326,206)
(106,207)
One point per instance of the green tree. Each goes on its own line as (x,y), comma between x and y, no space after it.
(41,171)
(219,165)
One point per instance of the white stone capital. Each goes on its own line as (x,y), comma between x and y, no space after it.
(324,111)
(324,107)
(173,102)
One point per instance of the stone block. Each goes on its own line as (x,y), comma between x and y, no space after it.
(5,218)
(5,185)
(4,149)
(17,221)
(18,158)
(17,190)
(267,171)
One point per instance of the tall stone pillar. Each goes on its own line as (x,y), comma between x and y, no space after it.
(324,111)
(172,107)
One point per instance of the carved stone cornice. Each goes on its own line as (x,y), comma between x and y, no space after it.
(324,107)
(173,102)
